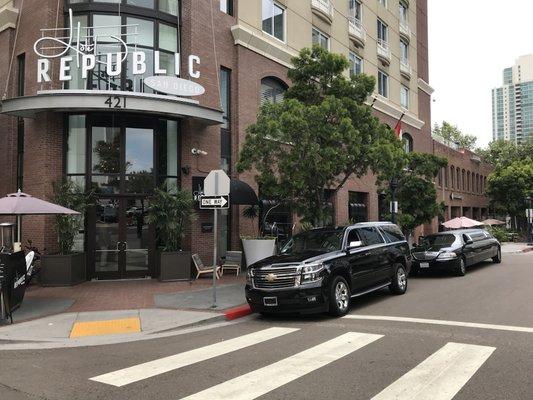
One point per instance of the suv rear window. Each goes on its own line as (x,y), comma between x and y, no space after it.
(392,233)
(370,236)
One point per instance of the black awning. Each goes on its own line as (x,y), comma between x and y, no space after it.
(242,193)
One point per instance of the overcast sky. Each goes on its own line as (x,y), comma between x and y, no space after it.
(470,43)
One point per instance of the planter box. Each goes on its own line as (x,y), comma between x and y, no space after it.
(60,270)
(257,249)
(174,266)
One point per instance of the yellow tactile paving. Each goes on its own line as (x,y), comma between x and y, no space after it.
(110,327)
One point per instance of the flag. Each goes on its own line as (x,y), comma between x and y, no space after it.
(398,127)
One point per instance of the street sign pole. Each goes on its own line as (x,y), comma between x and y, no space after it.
(215,245)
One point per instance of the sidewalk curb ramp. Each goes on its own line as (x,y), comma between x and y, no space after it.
(237,312)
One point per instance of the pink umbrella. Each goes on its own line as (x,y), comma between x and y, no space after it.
(492,221)
(23,204)
(461,222)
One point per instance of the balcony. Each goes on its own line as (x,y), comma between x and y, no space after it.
(356,31)
(405,69)
(405,31)
(323,8)
(384,51)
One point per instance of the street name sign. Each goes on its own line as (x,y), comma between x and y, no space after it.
(214,202)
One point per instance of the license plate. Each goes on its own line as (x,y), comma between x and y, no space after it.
(424,265)
(270,301)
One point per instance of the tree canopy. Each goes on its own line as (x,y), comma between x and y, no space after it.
(452,134)
(319,136)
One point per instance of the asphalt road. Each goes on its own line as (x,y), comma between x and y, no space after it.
(319,357)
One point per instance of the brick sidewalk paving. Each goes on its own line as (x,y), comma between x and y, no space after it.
(122,295)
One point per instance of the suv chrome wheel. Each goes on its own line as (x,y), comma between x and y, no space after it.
(342,297)
(402,279)
(399,280)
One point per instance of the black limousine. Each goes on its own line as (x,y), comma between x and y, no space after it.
(320,270)
(455,250)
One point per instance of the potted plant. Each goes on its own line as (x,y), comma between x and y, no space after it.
(67,267)
(170,213)
(256,247)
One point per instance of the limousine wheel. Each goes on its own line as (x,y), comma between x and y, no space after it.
(461,269)
(399,281)
(498,257)
(339,296)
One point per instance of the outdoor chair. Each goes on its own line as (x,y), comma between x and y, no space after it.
(202,269)
(232,262)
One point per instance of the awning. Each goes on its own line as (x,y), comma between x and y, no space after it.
(241,193)
(110,100)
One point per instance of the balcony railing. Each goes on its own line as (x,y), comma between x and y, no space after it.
(356,31)
(405,68)
(384,51)
(323,8)
(405,31)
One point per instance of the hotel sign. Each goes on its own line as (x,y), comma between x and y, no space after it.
(88,48)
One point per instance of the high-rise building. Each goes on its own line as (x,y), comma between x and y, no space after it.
(512,103)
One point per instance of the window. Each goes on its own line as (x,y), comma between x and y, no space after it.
(440,177)
(383,84)
(392,233)
(356,64)
(355,10)
(403,12)
(274,19)
(21,61)
(20,153)
(383,3)
(320,38)
(141,3)
(225,136)
(272,91)
(226,6)
(357,207)
(463,186)
(407,142)
(404,96)
(169,6)
(452,177)
(353,236)
(370,236)
(76,145)
(404,52)
(383,32)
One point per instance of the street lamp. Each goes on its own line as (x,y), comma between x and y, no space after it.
(529,215)
(393,184)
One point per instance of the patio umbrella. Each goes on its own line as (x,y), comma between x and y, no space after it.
(20,204)
(492,221)
(461,222)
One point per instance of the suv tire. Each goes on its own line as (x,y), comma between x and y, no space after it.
(498,257)
(339,296)
(399,280)
(461,268)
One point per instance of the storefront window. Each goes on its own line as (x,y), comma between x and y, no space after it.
(168,142)
(168,38)
(76,145)
(144,30)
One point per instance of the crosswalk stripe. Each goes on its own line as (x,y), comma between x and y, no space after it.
(152,368)
(440,376)
(266,379)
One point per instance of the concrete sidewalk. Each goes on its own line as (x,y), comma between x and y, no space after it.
(512,248)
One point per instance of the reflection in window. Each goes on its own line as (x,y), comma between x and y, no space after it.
(76,145)
(168,143)
(168,38)
(106,150)
(142,3)
(144,30)
(356,64)
(139,154)
(169,6)
(272,91)
(273,19)
(321,39)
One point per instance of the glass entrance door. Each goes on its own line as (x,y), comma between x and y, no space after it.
(122,238)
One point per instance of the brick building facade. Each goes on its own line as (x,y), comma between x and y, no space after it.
(236,57)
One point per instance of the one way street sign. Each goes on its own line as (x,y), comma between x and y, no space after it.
(214,202)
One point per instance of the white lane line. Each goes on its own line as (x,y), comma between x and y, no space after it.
(152,368)
(440,376)
(442,322)
(273,376)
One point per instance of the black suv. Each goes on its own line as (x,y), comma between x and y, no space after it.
(321,269)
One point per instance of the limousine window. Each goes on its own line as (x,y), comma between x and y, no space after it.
(322,240)
(370,236)
(392,233)
(476,237)
(437,242)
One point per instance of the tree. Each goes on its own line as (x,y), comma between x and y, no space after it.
(502,153)
(416,193)
(319,136)
(452,134)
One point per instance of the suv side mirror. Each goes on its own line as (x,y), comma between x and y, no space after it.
(355,244)
(468,241)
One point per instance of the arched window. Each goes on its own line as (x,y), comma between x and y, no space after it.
(407,141)
(272,90)
(452,177)
(463,186)
(468,181)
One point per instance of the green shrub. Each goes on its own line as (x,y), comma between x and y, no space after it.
(500,234)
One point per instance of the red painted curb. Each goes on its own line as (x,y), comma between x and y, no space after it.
(237,312)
